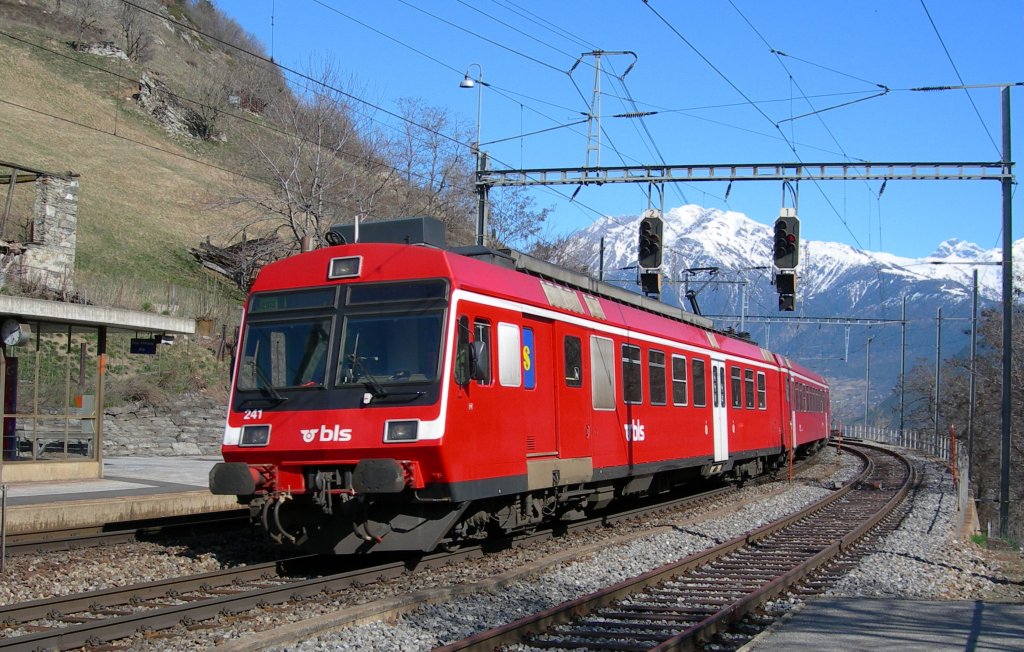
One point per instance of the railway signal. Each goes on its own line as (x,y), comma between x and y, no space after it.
(651,227)
(650,283)
(786,252)
(785,285)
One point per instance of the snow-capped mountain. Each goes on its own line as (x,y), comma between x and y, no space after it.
(836,281)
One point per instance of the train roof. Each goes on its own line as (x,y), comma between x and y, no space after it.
(429,255)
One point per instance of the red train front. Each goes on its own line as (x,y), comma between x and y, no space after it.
(401,396)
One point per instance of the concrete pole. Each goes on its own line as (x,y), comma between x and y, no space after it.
(903,363)
(971,390)
(481,205)
(1007,184)
(867,381)
(938,368)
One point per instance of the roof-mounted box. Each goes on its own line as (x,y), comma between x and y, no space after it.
(413,230)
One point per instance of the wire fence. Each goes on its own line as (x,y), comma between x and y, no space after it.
(943,446)
(926,441)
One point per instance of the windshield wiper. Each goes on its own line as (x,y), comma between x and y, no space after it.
(376,389)
(266,386)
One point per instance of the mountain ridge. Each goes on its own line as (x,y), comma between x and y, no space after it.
(864,289)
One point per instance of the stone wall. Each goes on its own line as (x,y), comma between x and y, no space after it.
(49,258)
(193,426)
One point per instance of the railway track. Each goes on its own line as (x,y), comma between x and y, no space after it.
(681,605)
(94,618)
(115,533)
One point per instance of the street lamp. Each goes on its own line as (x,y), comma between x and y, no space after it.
(478,83)
(481,162)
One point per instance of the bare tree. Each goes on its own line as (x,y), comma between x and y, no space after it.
(954,409)
(208,92)
(435,166)
(133,24)
(314,165)
(255,84)
(86,14)
(564,250)
(515,219)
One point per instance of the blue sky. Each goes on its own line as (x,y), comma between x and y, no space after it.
(719,92)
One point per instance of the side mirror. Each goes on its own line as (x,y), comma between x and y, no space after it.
(479,367)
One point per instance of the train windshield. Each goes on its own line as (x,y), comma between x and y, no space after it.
(390,348)
(371,336)
(285,354)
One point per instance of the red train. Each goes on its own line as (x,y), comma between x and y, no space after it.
(394,394)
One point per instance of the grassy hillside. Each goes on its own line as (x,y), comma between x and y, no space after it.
(143,193)
(146,197)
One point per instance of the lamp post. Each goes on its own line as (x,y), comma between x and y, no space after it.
(481,159)
(478,83)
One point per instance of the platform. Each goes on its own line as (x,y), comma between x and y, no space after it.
(133,488)
(906,625)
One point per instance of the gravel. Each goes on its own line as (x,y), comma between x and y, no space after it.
(924,558)
(921,559)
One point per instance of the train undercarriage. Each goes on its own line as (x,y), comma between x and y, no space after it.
(334,518)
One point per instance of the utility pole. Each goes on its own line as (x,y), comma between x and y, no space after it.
(971,391)
(903,364)
(482,206)
(938,360)
(1007,397)
(594,114)
(867,380)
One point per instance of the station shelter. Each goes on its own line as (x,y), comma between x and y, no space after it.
(53,366)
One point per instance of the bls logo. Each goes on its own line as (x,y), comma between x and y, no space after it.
(635,431)
(327,434)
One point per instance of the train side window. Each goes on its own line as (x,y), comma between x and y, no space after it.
(527,357)
(482,333)
(678,380)
(700,394)
(510,361)
(656,376)
(735,388)
(473,358)
(602,372)
(462,352)
(748,388)
(572,347)
(632,392)
(762,391)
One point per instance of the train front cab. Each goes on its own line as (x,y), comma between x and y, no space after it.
(335,424)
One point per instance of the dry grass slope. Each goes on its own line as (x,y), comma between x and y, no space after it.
(142,196)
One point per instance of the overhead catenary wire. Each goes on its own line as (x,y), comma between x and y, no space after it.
(952,63)
(490,85)
(235,116)
(322,84)
(725,77)
(817,113)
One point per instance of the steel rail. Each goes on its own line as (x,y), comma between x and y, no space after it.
(230,595)
(712,622)
(98,616)
(126,532)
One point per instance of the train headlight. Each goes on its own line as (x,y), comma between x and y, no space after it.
(401,431)
(255,436)
(344,267)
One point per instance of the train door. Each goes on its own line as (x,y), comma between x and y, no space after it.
(572,397)
(525,362)
(719,410)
